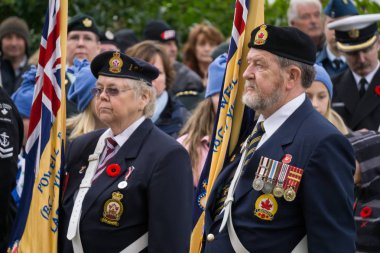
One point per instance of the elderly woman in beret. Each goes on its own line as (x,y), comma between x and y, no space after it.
(122,189)
(80,94)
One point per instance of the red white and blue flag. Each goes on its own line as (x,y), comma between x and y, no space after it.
(234,121)
(36,225)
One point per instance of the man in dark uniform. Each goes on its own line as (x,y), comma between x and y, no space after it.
(128,187)
(187,85)
(82,43)
(291,189)
(330,57)
(357,90)
(11,135)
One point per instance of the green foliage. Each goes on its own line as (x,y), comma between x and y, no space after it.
(181,14)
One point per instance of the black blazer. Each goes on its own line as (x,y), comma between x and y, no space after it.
(158,197)
(357,112)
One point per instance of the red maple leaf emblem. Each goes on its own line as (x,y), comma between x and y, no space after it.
(261,35)
(266,204)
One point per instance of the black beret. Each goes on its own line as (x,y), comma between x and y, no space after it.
(159,30)
(116,64)
(82,22)
(287,42)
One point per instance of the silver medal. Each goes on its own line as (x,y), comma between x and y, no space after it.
(258,184)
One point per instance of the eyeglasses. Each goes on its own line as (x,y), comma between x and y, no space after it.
(110,91)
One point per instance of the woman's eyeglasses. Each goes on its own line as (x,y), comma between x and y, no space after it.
(110,91)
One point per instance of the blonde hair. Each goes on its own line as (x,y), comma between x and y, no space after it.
(336,120)
(81,123)
(199,125)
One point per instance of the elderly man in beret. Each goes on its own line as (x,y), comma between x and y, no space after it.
(123,187)
(357,90)
(290,187)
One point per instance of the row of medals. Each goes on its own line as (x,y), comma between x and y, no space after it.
(266,185)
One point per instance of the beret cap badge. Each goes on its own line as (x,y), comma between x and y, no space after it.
(87,22)
(116,63)
(261,36)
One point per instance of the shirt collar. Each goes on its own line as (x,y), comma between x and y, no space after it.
(124,136)
(368,77)
(274,121)
(332,56)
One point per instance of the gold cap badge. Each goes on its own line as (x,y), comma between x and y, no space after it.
(261,36)
(354,34)
(116,63)
(87,22)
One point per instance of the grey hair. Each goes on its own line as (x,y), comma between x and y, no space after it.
(140,87)
(293,12)
(307,71)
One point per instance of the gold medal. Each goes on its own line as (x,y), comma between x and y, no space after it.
(278,191)
(289,194)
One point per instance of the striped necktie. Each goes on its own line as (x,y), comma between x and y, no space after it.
(253,141)
(107,154)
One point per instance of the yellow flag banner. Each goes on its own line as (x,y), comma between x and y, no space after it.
(248,15)
(36,225)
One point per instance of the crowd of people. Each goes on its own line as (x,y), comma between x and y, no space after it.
(140,124)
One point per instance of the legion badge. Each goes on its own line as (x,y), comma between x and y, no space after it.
(266,207)
(116,63)
(87,22)
(113,209)
(261,36)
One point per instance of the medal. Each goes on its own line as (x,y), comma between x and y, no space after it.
(272,176)
(289,194)
(292,182)
(123,184)
(113,209)
(278,190)
(258,182)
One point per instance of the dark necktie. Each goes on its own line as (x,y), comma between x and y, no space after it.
(106,156)
(253,141)
(337,62)
(362,85)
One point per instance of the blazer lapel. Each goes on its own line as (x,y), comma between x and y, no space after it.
(368,103)
(126,153)
(348,91)
(273,148)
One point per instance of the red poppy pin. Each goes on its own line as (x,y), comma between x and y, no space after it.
(113,170)
(366,212)
(287,158)
(377,90)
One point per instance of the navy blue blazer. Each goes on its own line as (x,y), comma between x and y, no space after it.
(323,207)
(158,197)
(357,112)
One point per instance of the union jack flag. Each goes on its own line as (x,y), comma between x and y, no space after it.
(234,121)
(36,225)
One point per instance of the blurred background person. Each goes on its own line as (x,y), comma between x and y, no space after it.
(82,38)
(196,134)
(169,115)
(357,90)
(366,145)
(14,42)
(306,16)
(201,41)
(320,94)
(133,168)
(125,38)
(11,135)
(80,93)
(187,85)
(108,42)
(82,43)
(330,57)
(23,99)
